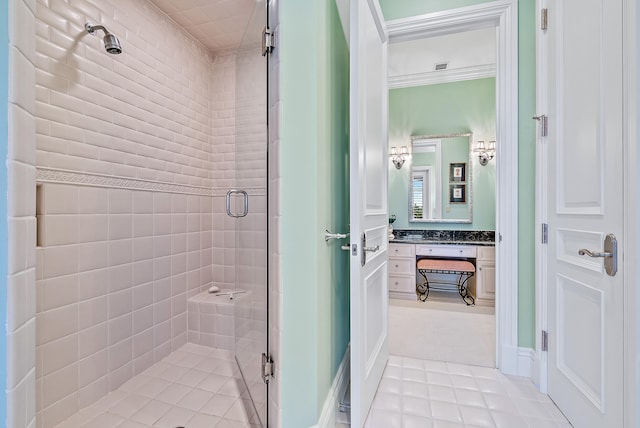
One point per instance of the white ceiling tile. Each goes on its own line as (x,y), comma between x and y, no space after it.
(218,24)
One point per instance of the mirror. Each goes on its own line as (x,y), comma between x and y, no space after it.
(440,187)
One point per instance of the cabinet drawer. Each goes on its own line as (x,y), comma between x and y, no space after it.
(487,253)
(402,283)
(402,250)
(402,266)
(446,250)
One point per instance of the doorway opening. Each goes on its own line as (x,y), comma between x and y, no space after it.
(442,198)
(500,19)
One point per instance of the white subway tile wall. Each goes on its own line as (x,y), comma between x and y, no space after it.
(146,113)
(21,302)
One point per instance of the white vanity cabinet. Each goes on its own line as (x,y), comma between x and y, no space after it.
(486,275)
(402,271)
(402,268)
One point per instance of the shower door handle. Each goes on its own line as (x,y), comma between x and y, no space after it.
(245,209)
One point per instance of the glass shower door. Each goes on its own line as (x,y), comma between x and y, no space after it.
(251,144)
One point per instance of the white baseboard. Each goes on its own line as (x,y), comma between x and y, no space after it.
(338,387)
(519,361)
(527,363)
(509,360)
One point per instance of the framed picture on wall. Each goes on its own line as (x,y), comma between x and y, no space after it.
(457,193)
(457,172)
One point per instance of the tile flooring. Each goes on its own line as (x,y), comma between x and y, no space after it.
(198,387)
(195,387)
(434,394)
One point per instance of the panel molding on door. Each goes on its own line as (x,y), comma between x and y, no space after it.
(575,296)
(570,241)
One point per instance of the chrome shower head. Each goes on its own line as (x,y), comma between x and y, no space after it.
(111,42)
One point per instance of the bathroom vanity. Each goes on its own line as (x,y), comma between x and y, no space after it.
(404,254)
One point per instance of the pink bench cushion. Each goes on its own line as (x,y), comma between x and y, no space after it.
(445,264)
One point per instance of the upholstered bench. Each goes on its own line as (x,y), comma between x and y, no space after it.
(462,268)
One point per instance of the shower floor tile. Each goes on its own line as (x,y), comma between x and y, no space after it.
(195,386)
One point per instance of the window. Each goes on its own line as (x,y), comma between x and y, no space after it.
(420,195)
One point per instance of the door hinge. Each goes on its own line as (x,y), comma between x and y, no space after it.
(268,41)
(267,368)
(545,233)
(544,342)
(544,19)
(544,124)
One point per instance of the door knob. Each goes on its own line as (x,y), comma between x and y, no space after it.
(365,249)
(610,254)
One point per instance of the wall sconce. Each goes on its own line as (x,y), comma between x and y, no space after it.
(398,157)
(485,154)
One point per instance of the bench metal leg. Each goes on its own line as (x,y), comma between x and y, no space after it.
(422,290)
(464,291)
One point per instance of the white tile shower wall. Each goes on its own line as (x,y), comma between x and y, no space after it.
(223,158)
(143,114)
(21,321)
(224,124)
(115,271)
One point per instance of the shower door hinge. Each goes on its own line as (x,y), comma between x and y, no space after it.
(544,19)
(268,41)
(544,342)
(267,368)
(545,233)
(544,124)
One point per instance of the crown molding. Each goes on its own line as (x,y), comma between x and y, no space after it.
(444,76)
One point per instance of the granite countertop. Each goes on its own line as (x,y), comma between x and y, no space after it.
(440,242)
(444,237)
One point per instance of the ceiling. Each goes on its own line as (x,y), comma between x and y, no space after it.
(221,24)
(218,24)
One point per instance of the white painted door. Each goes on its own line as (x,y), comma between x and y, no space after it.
(368,204)
(584,98)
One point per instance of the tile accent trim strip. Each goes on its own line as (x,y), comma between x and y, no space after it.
(59,176)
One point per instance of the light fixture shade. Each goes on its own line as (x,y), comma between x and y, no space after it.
(485,154)
(404,150)
(393,151)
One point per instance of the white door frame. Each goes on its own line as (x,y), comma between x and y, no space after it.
(631,254)
(503,15)
(631,210)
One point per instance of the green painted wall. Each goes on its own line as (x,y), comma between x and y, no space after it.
(446,108)
(314,149)
(394,9)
